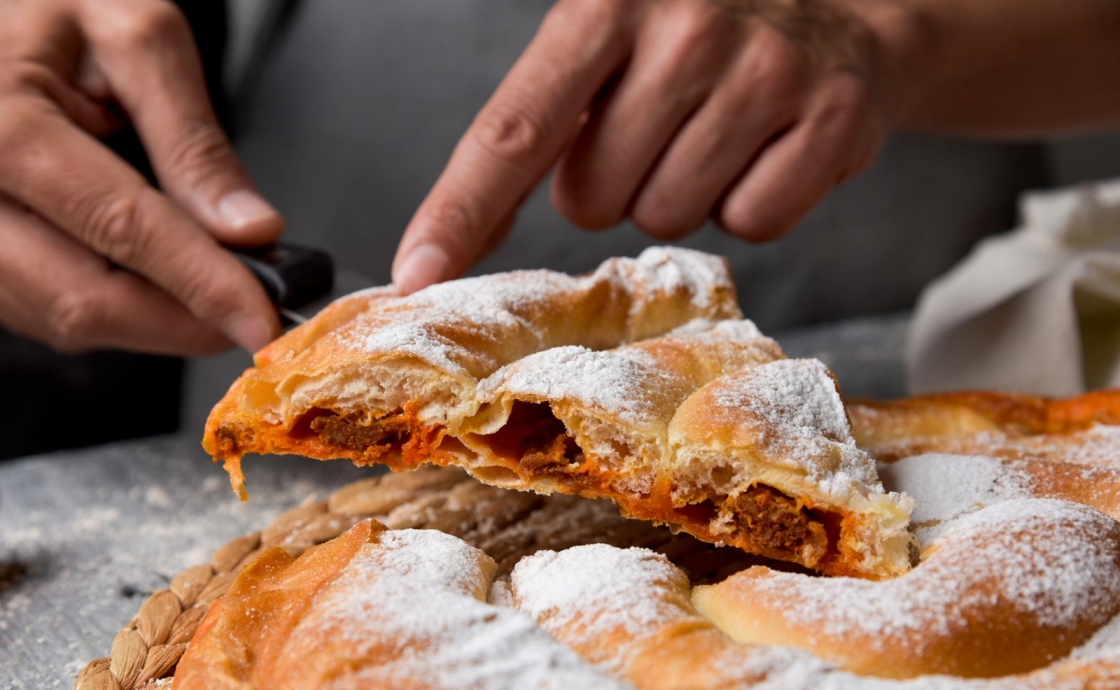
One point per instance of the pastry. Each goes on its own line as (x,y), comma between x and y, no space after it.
(637,383)
(1021,594)
(1006,590)
(1017,588)
(1083,430)
(378,375)
(374,609)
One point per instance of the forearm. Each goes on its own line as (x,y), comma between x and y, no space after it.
(1001,67)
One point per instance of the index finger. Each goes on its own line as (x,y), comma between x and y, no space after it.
(515,139)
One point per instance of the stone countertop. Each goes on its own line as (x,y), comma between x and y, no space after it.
(86,535)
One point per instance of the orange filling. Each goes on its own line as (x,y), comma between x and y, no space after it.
(534,445)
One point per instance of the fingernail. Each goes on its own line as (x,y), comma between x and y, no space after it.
(243,209)
(250,332)
(421,267)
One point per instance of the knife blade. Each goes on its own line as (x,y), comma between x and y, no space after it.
(299,280)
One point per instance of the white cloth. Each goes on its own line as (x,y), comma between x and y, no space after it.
(1036,310)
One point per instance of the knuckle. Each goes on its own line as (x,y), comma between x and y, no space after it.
(779,65)
(200,149)
(698,25)
(662,220)
(114,227)
(510,132)
(75,319)
(846,102)
(26,76)
(152,26)
(19,121)
(451,223)
(209,298)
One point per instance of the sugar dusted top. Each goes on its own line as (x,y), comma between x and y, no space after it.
(421,593)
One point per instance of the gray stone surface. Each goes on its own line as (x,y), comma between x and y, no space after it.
(86,535)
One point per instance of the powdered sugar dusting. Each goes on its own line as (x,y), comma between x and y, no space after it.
(490,311)
(475,325)
(631,383)
(591,591)
(672,270)
(794,393)
(946,487)
(420,592)
(1093,447)
(1055,563)
(706,330)
(615,380)
(801,418)
(1105,644)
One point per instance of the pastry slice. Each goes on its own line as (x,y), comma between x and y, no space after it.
(378,374)
(709,430)
(706,428)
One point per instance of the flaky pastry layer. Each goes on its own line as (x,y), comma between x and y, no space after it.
(636,383)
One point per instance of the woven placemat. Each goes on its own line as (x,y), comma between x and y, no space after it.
(507,525)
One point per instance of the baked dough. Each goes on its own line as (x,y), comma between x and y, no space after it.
(637,383)
(1008,589)
(374,609)
(377,374)
(1018,588)
(1083,430)
(1027,587)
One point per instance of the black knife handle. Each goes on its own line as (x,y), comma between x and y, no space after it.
(292,275)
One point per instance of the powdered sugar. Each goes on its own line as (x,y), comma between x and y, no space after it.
(420,594)
(618,381)
(800,416)
(1055,563)
(675,271)
(794,393)
(946,487)
(594,590)
(1105,644)
(463,325)
(1092,447)
(632,383)
(474,325)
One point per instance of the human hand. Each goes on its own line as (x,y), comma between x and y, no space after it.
(90,254)
(666,111)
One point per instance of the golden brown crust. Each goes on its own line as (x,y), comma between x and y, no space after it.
(1005,424)
(1005,594)
(550,383)
(1008,590)
(255,618)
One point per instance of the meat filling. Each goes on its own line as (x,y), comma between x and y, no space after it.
(767,521)
(776,524)
(351,433)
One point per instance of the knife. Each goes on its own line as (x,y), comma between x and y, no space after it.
(299,280)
